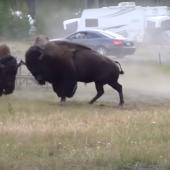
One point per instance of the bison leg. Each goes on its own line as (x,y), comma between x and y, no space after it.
(100,91)
(118,88)
(1,92)
(59,91)
(63,99)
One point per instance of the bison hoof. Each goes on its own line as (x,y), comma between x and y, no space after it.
(91,102)
(121,104)
(63,99)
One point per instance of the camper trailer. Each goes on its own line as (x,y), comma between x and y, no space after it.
(127,19)
(71,25)
(157,24)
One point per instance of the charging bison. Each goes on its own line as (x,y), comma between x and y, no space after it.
(8,70)
(63,64)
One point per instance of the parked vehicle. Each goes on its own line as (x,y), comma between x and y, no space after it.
(127,19)
(105,42)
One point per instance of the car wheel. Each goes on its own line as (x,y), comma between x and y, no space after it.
(101,50)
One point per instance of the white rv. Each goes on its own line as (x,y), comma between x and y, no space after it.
(126,19)
(71,25)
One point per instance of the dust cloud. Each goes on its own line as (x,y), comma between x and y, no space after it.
(146,76)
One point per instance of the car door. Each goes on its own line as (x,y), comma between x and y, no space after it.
(94,40)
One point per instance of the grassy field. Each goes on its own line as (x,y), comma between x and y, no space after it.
(44,135)
(38,133)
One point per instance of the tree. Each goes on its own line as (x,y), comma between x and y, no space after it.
(31,7)
(4,16)
(11,24)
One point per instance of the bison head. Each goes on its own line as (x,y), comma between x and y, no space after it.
(32,61)
(8,71)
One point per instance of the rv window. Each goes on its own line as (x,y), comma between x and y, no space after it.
(71,27)
(165,25)
(150,25)
(135,20)
(91,22)
(155,12)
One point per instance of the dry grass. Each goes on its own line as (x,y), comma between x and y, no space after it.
(42,135)
(37,133)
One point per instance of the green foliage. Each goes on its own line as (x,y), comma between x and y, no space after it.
(50,14)
(12,26)
(4,15)
(18,27)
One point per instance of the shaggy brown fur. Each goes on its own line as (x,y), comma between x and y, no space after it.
(63,64)
(41,40)
(4,50)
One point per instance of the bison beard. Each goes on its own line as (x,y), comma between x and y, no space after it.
(63,64)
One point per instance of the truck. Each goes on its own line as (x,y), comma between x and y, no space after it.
(132,21)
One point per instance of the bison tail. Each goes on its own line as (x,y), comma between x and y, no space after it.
(120,70)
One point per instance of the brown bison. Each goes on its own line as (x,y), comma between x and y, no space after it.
(63,64)
(8,70)
(4,50)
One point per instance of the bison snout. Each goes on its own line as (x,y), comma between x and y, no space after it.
(8,91)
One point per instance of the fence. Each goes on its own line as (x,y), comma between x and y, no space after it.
(24,80)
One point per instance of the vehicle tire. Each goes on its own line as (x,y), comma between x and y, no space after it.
(102,50)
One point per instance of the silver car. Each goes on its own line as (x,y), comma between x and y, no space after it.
(105,42)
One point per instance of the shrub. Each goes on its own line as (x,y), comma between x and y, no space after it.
(19,26)
(12,25)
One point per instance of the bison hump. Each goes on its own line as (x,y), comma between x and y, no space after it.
(4,50)
(60,50)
